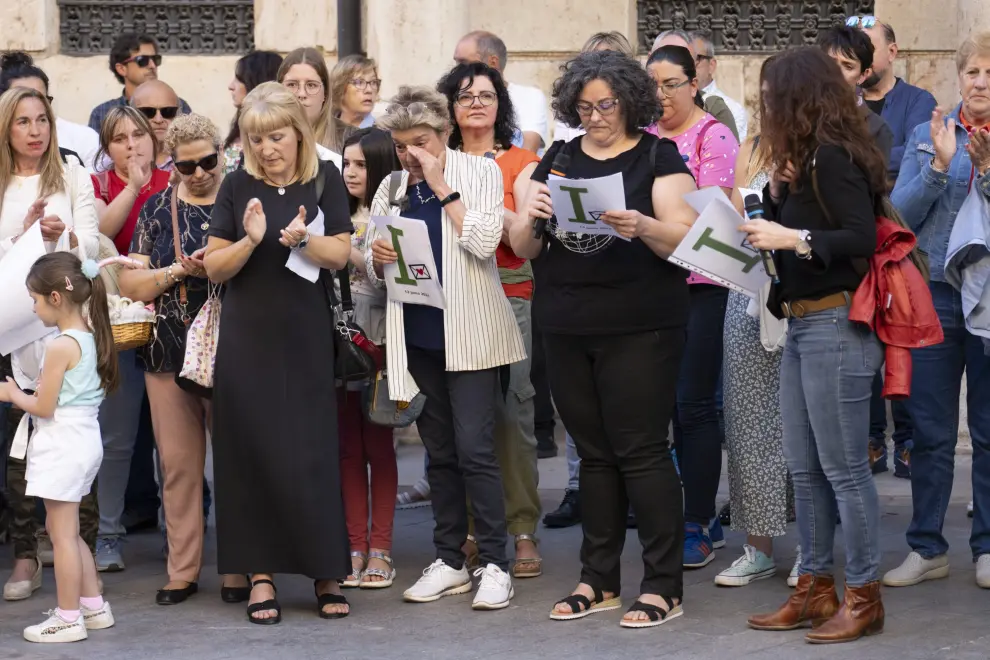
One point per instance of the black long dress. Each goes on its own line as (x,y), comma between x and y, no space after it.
(276,461)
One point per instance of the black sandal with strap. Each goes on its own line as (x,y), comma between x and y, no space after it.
(657,615)
(322,600)
(581,606)
(270,604)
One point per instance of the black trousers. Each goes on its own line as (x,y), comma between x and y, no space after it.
(615,394)
(458,430)
(543,410)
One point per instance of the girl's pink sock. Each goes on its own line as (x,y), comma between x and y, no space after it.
(91,604)
(69,616)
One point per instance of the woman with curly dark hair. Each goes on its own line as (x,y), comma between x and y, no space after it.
(613,313)
(478,101)
(825,180)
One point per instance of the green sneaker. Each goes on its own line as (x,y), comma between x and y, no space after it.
(753,565)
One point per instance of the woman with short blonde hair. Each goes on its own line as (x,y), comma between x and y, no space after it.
(277,460)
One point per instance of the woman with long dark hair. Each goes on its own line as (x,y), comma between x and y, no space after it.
(250,71)
(826,175)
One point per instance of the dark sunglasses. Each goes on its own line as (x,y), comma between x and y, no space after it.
(144,60)
(168,112)
(188,167)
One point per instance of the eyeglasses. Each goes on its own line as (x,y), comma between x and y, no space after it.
(866,22)
(701,58)
(604,107)
(466,100)
(188,167)
(311,87)
(361,83)
(168,112)
(413,108)
(144,60)
(668,89)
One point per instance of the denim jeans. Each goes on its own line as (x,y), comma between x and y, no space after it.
(826,377)
(934,405)
(573,464)
(903,427)
(697,435)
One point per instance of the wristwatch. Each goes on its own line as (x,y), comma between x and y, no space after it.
(304,242)
(803,247)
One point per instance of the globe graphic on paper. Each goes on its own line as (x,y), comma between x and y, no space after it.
(579,243)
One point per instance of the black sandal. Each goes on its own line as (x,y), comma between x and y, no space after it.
(322,600)
(657,615)
(582,607)
(270,604)
(236,594)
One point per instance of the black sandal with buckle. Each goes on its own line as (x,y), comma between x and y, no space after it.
(270,604)
(322,600)
(657,615)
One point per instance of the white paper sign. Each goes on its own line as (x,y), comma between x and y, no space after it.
(19,325)
(714,246)
(297,262)
(579,203)
(413,278)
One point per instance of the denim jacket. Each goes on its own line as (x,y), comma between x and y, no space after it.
(929,200)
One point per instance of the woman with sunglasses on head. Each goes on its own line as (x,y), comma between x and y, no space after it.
(613,314)
(250,71)
(709,149)
(305,74)
(354,85)
(484,122)
(179,289)
(369,158)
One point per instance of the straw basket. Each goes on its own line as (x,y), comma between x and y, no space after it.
(131,335)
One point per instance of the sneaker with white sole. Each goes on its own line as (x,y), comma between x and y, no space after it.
(109,555)
(98,619)
(438,580)
(55,629)
(916,569)
(752,566)
(792,578)
(983,571)
(495,589)
(969,509)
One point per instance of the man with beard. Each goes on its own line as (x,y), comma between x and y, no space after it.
(902,105)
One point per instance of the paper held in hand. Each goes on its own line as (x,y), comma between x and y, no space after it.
(578,204)
(414,277)
(714,246)
(19,325)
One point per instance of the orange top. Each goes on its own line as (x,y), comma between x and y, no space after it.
(512,162)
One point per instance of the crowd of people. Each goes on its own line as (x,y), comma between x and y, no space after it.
(860,172)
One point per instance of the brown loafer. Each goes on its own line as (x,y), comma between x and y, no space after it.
(813,602)
(861,615)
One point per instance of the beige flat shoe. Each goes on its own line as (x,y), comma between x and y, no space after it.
(23,590)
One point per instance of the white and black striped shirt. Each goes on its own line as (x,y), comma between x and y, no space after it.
(480,330)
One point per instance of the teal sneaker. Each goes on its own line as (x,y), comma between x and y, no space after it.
(752,566)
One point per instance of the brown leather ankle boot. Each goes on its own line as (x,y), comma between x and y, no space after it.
(813,602)
(861,615)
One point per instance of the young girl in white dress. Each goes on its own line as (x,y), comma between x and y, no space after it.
(65,449)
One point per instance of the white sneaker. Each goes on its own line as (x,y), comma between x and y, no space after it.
(983,571)
(438,580)
(917,569)
(792,579)
(55,629)
(23,589)
(752,566)
(98,619)
(495,589)
(969,509)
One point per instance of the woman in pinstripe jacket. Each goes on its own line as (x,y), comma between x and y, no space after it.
(451,355)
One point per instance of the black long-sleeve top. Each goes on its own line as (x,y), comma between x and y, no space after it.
(851,233)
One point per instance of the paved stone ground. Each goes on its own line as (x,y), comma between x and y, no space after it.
(945,619)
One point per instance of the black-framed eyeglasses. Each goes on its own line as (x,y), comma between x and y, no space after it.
(188,167)
(144,60)
(669,88)
(168,112)
(361,83)
(604,107)
(466,99)
(866,22)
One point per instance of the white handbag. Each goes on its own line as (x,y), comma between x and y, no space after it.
(773,331)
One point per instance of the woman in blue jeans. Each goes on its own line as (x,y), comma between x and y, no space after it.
(827,174)
(945,161)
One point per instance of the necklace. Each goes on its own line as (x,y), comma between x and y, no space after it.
(280,186)
(419,195)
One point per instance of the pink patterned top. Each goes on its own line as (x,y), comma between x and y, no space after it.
(712,161)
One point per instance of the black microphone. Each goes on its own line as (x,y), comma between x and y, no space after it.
(561,162)
(754,211)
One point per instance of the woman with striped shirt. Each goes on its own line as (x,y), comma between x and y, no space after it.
(451,355)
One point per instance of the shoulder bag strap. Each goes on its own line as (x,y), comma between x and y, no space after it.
(178,248)
(394,182)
